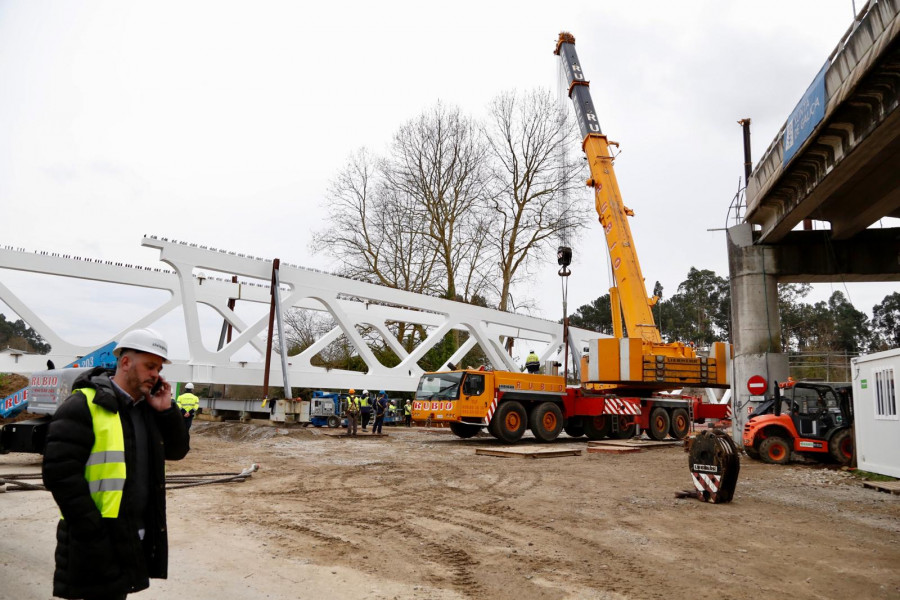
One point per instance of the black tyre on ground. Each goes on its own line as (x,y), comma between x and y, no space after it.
(574,427)
(752,452)
(511,421)
(546,421)
(840,447)
(659,424)
(775,451)
(334,421)
(681,424)
(464,431)
(597,428)
(494,426)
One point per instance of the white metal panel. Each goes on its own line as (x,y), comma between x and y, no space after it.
(624,360)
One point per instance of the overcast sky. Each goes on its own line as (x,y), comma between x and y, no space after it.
(221,123)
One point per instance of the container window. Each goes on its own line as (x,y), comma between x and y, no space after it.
(885,397)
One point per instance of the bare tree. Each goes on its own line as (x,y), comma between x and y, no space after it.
(370,232)
(302,328)
(531,180)
(437,161)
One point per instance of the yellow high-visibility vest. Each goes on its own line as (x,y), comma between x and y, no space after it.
(105,468)
(187,401)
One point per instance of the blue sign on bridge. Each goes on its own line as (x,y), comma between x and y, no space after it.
(806,115)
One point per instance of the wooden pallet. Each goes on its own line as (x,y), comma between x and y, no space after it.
(612,450)
(891,487)
(527,452)
(640,444)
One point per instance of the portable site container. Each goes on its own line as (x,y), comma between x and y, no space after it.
(875,412)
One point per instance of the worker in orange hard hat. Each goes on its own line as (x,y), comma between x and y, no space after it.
(352,412)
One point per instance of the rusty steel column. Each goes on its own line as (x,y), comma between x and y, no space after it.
(748,161)
(268,366)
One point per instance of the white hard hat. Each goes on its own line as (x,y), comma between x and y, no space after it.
(365,391)
(143,340)
(189,386)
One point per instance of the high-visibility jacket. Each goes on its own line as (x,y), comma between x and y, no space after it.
(533,360)
(407,409)
(188,402)
(105,468)
(352,405)
(363,401)
(101,556)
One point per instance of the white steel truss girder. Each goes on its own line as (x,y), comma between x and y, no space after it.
(352,304)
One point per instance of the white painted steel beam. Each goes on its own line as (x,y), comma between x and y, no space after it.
(351,303)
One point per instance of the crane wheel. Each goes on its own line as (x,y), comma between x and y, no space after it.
(574,427)
(627,428)
(775,451)
(546,421)
(597,428)
(659,424)
(681,425)
(494,427)
(464,431)
(840,447)
(511,421)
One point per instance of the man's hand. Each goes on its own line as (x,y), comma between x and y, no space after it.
(162,399)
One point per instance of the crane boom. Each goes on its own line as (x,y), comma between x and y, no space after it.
(641,360)
(633,300)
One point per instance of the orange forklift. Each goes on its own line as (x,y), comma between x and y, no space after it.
(810,418)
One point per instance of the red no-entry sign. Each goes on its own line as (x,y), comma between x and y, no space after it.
(757,385)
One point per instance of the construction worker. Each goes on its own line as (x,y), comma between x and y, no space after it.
(533,363)
(189,404)
(365,408)
(352,412)
(381,406)
(114,434)
(407,413)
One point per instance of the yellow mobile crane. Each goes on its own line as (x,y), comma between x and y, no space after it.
(640,361)
(619,376)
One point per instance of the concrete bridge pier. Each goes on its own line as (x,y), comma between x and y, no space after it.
(756,322)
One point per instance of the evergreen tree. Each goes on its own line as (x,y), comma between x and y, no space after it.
(20,336)
(596,316)
(886,321)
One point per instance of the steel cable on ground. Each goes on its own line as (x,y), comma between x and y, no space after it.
(13,482)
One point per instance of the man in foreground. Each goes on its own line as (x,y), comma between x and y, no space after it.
(104,463)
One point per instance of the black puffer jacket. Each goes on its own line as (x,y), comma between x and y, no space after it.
(95,555)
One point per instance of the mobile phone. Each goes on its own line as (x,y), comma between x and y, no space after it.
(156,387)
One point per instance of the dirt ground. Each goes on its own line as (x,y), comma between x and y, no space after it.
(418,514)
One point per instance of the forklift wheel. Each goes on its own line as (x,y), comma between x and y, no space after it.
(840,447)
(775,451)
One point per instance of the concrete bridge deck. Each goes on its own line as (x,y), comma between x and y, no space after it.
(837,158)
